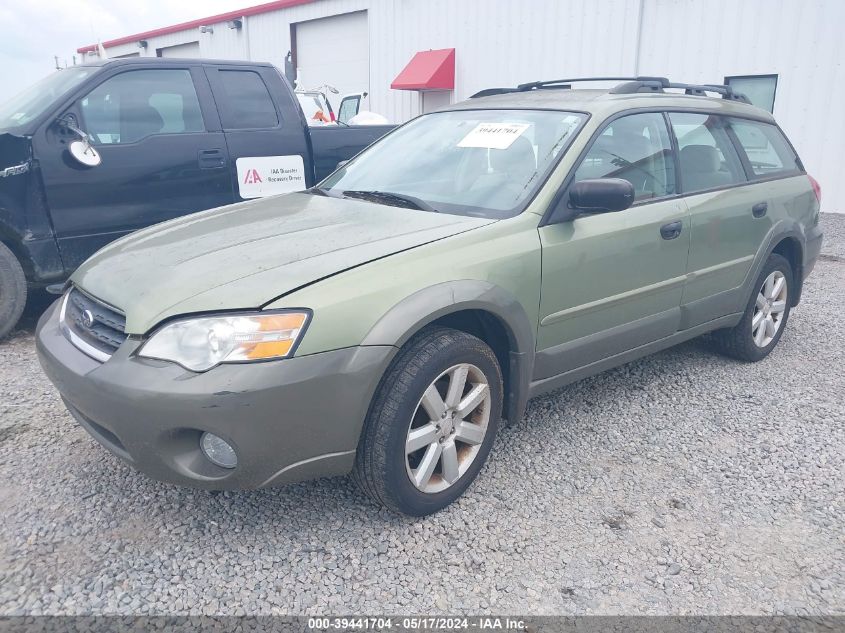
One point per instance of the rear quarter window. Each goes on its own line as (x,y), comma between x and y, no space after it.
(248,102)
(766,148)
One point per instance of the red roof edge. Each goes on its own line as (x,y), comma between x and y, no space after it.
(213,19)
(428,70)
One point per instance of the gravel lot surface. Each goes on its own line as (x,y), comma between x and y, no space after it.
(682,483)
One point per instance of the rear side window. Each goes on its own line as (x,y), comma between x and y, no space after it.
(636,148)
(707,157)
(248,102)
(767,149)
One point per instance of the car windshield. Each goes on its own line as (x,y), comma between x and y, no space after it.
(33,101)
(485,163)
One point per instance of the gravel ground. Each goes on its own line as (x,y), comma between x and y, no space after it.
(682,483)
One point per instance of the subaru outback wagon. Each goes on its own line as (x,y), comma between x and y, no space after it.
(387,321)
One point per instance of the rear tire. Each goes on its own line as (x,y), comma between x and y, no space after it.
(765,317)
(431,424)
(12,290)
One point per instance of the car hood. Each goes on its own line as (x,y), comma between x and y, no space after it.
(244,255)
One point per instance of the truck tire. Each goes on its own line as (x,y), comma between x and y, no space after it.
(765,317)
(432,422)
(12,290)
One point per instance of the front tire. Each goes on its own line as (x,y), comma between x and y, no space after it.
(432,422)
(765,317)
(12,290)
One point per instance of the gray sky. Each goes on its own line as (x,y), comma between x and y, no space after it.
(33,31)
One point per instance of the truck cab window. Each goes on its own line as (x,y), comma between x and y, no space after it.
(248,103)
(133,105)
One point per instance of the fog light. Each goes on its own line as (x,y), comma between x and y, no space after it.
(218,450)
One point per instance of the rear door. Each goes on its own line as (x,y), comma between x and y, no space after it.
(163,156)
(726,232)
(613,281)
(264,129)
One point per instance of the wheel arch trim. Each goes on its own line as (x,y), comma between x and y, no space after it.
(425,306)
(783,230)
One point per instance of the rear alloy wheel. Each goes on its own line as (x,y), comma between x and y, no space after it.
(765,317)
(432,422)
(769,308)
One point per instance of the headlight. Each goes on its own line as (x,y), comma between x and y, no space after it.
(201,343)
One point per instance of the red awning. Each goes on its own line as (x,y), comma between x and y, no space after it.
(428,70)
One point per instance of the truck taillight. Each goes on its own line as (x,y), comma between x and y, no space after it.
(331,115)
(817,188)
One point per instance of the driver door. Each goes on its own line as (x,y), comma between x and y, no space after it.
(163,156)
(613,281)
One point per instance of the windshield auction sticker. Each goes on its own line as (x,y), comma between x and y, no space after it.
(260,176)
(493,135)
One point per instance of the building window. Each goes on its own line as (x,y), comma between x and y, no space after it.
(760,89)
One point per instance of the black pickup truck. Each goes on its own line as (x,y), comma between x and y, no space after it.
(96,151)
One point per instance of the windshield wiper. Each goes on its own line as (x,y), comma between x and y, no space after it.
(389,196)
(317,191)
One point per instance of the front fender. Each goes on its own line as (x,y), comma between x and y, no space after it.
(425,306)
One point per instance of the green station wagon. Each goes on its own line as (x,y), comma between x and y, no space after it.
(387,321)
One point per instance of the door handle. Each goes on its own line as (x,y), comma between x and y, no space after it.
(759,209)
(211,158)
(672,230)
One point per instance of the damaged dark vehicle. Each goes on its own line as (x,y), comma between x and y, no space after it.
(97,151)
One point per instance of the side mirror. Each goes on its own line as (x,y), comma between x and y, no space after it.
(601,195)
(84,153)
(81,150)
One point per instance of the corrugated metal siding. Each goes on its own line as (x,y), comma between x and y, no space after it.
(698,41)
(504,42)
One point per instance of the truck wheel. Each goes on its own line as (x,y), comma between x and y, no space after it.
(432,422)
(12,290)
(766,314)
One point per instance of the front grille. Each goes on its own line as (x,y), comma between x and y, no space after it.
(92,326)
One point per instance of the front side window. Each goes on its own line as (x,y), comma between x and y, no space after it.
(707,156)
(133,105)
(485,163)
(768,151)
(247,101)
(636,148)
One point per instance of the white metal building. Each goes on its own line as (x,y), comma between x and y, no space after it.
(783,51)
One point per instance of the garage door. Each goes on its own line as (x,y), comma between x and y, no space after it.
(190,50)
(334,51)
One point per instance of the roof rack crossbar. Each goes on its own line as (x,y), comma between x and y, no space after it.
(630,85)
(698,90)
(543,84)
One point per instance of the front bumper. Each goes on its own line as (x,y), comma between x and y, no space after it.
(289,420)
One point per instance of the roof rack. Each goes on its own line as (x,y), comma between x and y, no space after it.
(631,85)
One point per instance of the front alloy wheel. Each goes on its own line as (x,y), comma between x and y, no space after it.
(432,422)
(447,428)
